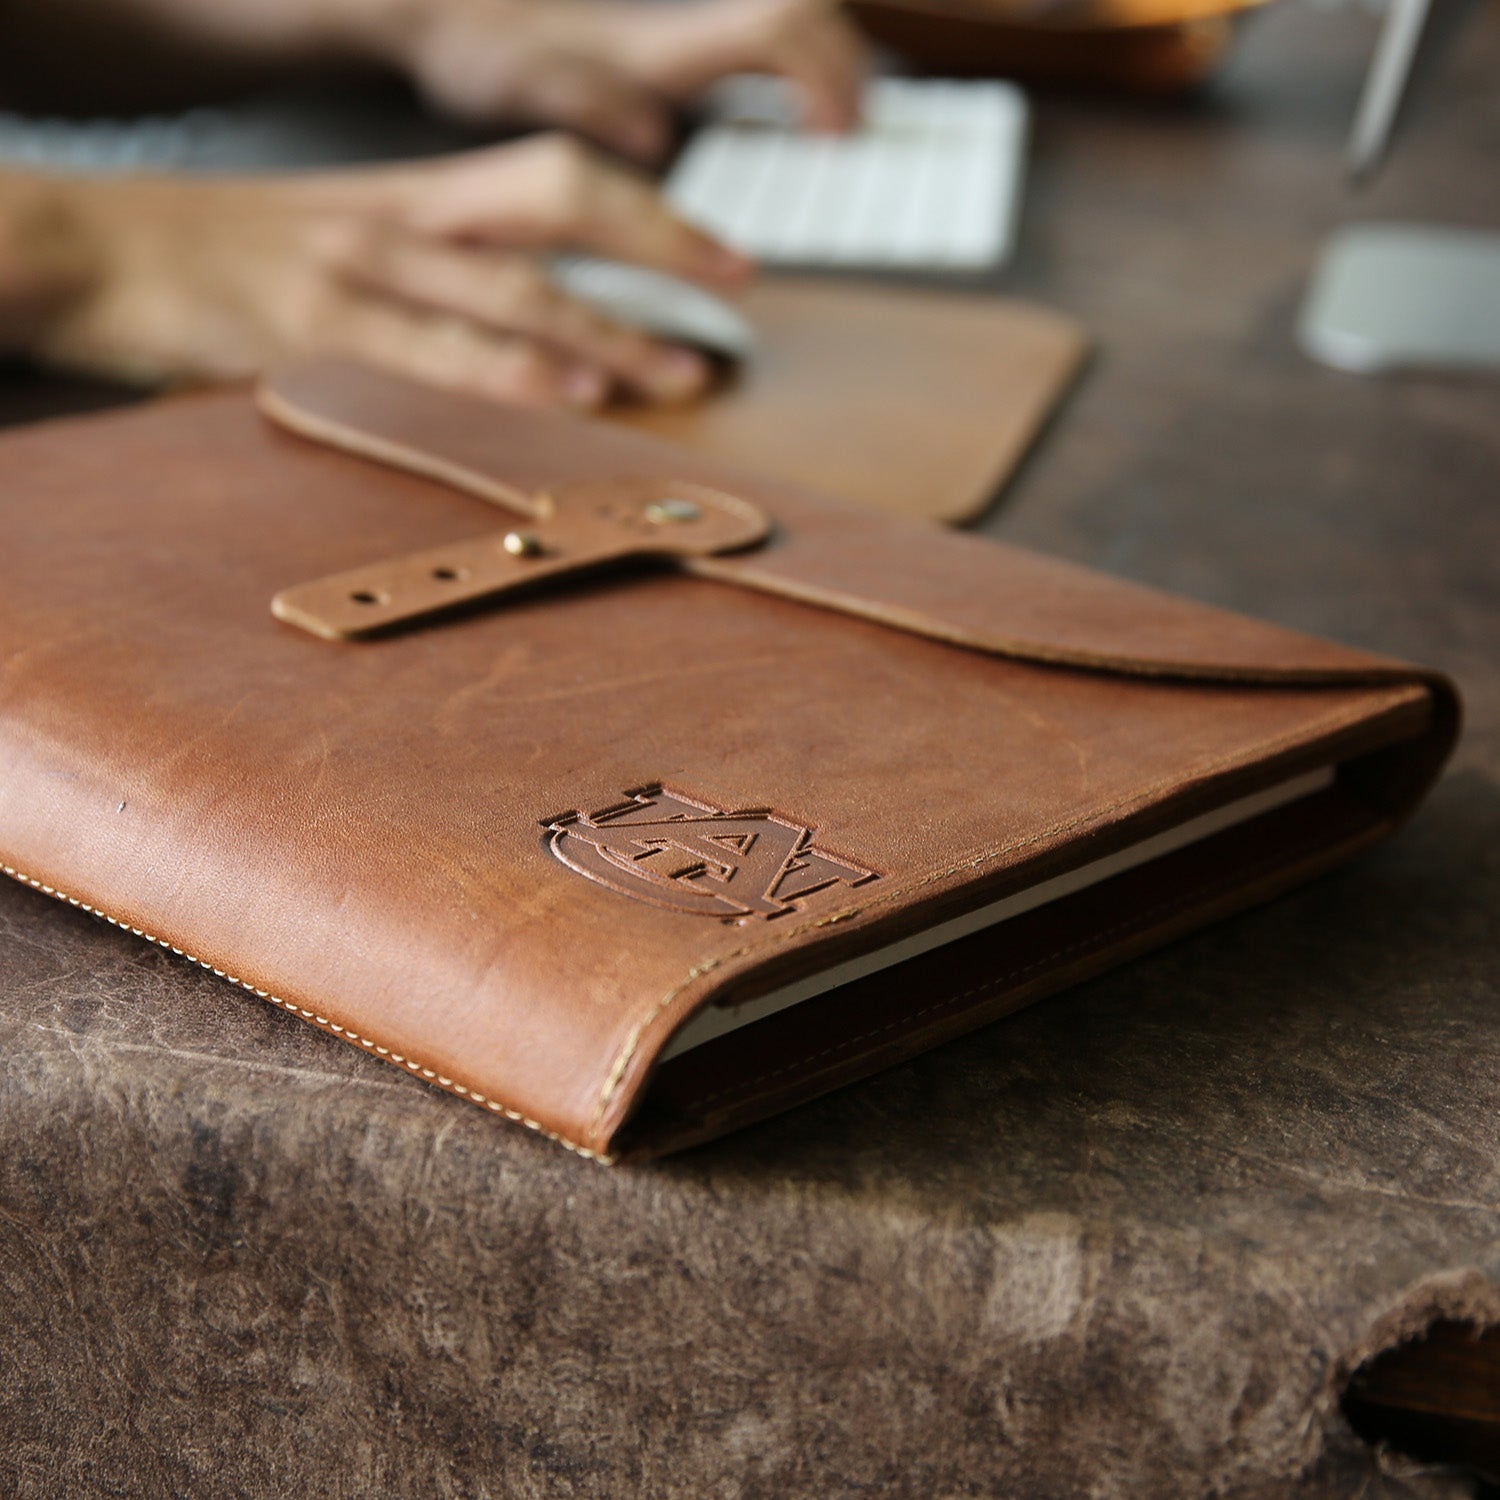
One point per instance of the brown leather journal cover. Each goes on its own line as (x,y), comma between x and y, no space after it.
(914,401)
(514,851)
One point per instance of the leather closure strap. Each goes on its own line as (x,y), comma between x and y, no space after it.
(979,595)
(569,531)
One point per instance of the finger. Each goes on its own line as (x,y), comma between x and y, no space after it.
(598,102)
(552,193)
(828,63)
(508,295)
(805,41)
(455,355)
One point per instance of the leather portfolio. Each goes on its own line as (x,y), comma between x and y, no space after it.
(911,400)
(615,790)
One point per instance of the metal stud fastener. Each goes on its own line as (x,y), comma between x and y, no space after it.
(672,512)
(522,543)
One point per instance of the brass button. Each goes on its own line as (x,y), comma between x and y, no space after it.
(522,544)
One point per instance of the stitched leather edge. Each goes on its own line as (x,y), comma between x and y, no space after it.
(632,1042)
(396,1059)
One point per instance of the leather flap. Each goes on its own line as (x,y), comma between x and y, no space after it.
(967,590)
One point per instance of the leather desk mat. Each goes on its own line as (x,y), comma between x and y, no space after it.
(922,402)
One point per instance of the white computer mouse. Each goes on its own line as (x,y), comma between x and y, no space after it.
(663,306)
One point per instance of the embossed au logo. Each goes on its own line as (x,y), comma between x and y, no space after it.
(691,856)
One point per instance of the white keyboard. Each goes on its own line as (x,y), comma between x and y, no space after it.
(159,143)
(932,181)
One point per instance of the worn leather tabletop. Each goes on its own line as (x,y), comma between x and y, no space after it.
(1126,1243)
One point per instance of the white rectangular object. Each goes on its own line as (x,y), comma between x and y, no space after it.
(930,182)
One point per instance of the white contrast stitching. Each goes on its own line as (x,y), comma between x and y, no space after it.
(472,1095)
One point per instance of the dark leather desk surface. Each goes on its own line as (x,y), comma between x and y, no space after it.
(238,1259)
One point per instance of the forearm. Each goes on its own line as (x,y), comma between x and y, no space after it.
(417,268)
(45,260)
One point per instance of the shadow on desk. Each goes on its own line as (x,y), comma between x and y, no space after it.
(30,395)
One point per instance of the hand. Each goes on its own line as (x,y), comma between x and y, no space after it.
(608,67)
(418,269)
